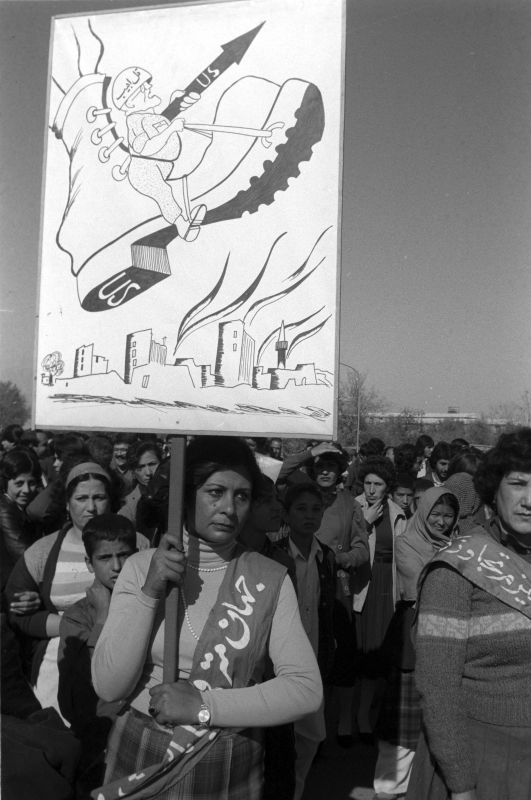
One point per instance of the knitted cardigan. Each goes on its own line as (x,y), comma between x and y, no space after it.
(473,660)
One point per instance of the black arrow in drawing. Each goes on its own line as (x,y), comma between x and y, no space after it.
(233,52)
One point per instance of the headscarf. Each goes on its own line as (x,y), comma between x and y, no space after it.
(462,485)
(87,467)
(415,547)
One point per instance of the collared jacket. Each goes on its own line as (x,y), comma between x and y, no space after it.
(327,583)
(362,577)
(18,532)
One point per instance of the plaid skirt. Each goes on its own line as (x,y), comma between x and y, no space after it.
(503,764)
(231,770)
(400,717)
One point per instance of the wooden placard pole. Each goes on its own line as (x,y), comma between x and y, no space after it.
(175,526)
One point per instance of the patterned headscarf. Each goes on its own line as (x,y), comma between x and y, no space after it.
(462,485)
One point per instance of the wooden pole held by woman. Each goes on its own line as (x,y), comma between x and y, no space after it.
(175,526)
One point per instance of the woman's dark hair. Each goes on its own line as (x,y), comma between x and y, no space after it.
(441,452)
(136,451)
(512,452)
(447,500)
(382,467)
(298,489)
(209,454)
(125,438)
(112,483)
(424,441)
(423,484)
(264,489)
(405,457)
(65,445)
(464,462)
(108,528)
(458,445)
(100,449)
(374,447)
(17,462)
(12,433)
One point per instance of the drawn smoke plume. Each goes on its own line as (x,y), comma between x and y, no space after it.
(191,323)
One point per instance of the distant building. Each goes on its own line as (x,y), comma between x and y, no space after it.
(281,346)
(433,418)
(234,355)
(142,349)
(86,363)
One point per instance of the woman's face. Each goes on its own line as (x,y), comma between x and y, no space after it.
(374,488)
(22,489)
(428,450)
(147,466)
(440,522)
(513,503)
(326,472)
(89,499)
(221,506)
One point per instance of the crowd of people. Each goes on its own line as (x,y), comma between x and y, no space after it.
(396,580)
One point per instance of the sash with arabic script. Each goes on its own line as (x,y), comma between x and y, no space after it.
(489,565)
(232,641)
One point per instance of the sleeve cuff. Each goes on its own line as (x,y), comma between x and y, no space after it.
(150,602)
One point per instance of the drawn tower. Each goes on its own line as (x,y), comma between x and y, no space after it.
(281,347)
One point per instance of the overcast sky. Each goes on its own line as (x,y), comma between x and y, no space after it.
(436,279)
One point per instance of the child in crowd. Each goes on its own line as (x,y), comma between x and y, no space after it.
(403,492)
(109,540)
(316,584)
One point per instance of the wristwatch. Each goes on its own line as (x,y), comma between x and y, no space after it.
(204,716)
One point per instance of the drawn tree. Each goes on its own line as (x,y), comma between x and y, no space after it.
(53,366)
(14,408)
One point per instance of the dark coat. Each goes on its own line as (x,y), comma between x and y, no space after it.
(18,533)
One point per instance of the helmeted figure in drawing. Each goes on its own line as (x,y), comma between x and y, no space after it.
(162,153)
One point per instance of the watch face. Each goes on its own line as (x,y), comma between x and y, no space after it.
(204,716)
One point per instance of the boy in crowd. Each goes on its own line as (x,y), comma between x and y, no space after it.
(403,492)
(316,583)
(109,540)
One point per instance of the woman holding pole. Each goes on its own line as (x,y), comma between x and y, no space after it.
(187,739)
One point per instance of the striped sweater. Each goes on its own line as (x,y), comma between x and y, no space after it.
(473,659)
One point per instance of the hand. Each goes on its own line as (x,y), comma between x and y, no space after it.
(342,559)
(470,795)
(177,124)
(187,100)
(176,703)
(100,598)
(373,513)
(27,603)
(321,449)
(168,564)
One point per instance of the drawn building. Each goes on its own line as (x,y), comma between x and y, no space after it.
(278,378)
(142,349)
(234,355)
(86,363)
(281,347)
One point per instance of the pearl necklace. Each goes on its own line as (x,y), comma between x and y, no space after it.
(207,569)
(187,617)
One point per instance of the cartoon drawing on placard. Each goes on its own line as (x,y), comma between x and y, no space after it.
(119,143)
(192,195)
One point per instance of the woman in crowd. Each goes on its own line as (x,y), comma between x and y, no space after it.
(424,445)
(144,459)
(238,606)
(55,568)
(407,459)
(375,589)
(10,437)
(473,645)
(398,727)
(20,476)
(438,463)
(343,529)
(472,509)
